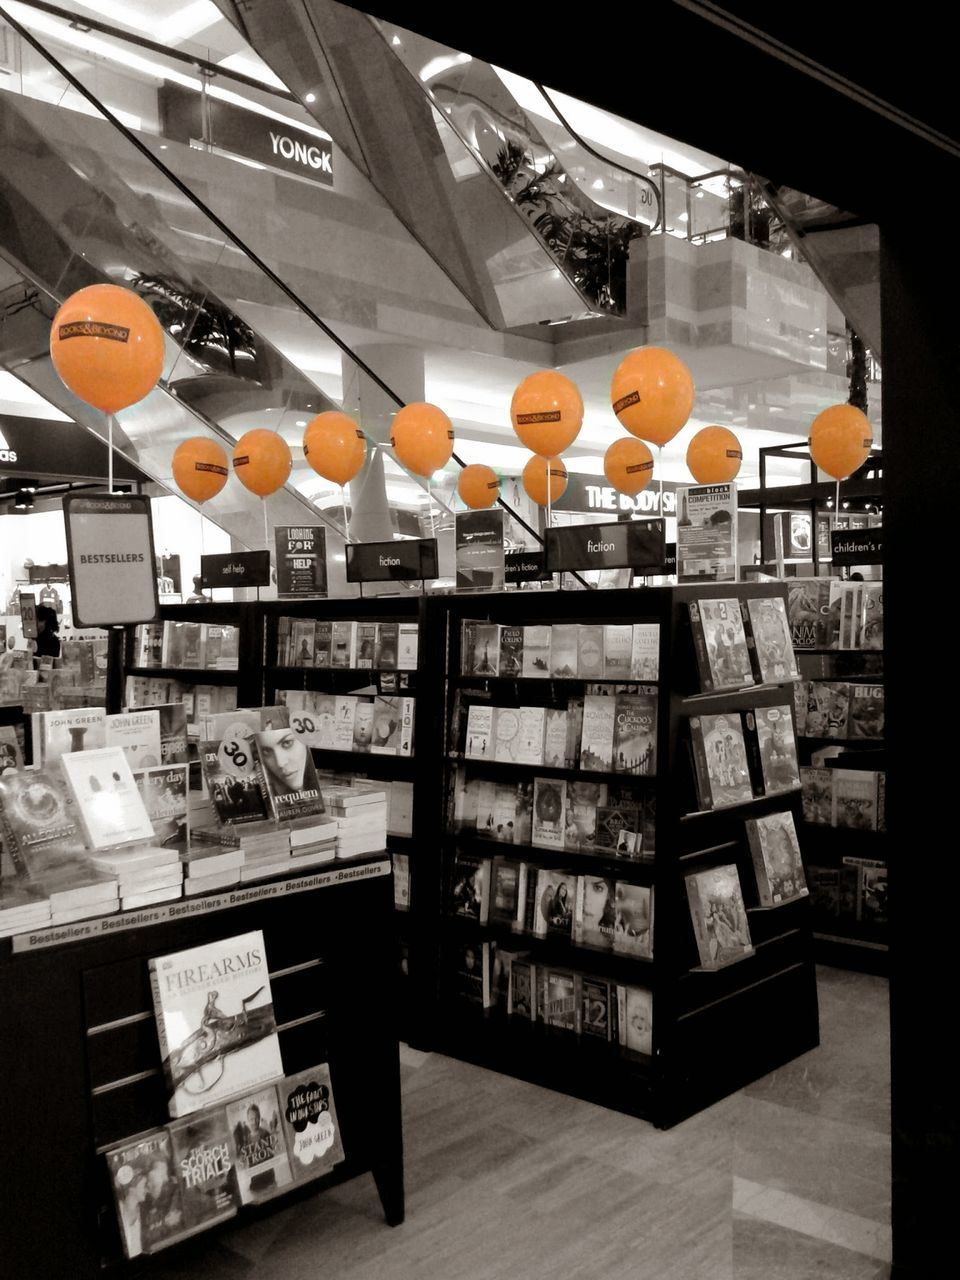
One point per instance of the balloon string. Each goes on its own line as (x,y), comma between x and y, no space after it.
(266,528)
(110,452)
(343,503)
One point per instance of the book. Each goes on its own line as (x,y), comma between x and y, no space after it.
(165,793)
(817,795)
(387,724)
(343,645)
(555,738)
(723,658)
(504,890)
(137,733)
(635,732)
(521,1003)
(595,1008)
(529,749)
(366,644)
(108,801)
(720,757)
(221,647)
(769,639)
(39,825)
(596,741)
(865,714)
(613,821)
(580,813)
(203,1159)
(506,745)
(483,657)
(345,715)
(363,713)
(617,652)
(310,1123)
(504,812)
(645,651)
(871,632)
(776,858)
(574,733)
(855,799)
(388,639)
(470,891)
(590,653)
(560,1004)
(777,747)
(215,1021)
(481,741)
(536,650)
(302,641)
(563,650)
(633,926)
(173,733)
(828,709)
(263,1166)
(638,1020)
(511,651)
(322,644)
(548,812)
(286,775)
(556,897)
(523,811)
(57,732)
(473,971)
(594,914)
(718,915)
(231,778)
(807,605)
(147,1193)
(408,644)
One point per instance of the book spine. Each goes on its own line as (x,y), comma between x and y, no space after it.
(407,710)
(160,1024)
(700,647)
(751,642)
(759,866)
(751,740)
(704,790)
(622,1015)
(578,1004)
(520,915)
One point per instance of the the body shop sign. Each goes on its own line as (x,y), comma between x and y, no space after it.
(113,579)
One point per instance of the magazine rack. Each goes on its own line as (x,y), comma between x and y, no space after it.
(81,1068)
(713,1031)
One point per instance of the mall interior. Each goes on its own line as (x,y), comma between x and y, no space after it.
(333,207)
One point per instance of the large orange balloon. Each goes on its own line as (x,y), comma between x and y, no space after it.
(107,346)
(200,468)
(547,412)
(840,440)
(262,461)
(334,446)
(652,394)
(714,456)
(478,486)
(535,479)
(422,438)
(628,465)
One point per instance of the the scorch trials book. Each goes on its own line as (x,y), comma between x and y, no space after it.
(215,1021)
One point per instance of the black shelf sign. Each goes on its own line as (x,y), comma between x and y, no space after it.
(857,546)
(525,566)
(301,560)
(404,560)
(236,569)
(633,544)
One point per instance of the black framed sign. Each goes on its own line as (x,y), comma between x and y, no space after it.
(403,560)
(857,546)
(631,544)
(236,569)
(525,566)
(113,580)
(301,560)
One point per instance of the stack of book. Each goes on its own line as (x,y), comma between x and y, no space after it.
(266,854)
(146,874)
(312,840)
(80,893)
(212,862)
(360,813)
(22,908)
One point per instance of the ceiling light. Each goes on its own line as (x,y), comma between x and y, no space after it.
(598,184)
(310,97)
(845,505)
(682,217)
(698,194)
(163,146)
(301,422)
(396,40)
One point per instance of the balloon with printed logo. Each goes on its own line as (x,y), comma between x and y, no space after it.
(478,486)
(652,394)
(200,468)
(714,456)
(262,461)
(107,346)
(422,438)
(628,465)
(547,412)
(334,446)
(840,440)
(535,476)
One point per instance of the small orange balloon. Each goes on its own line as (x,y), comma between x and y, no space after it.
(107,346)
(840,440)
(628,465)
(547,412)
(422,438)
(262,461)
(478,486)
(200,468)
(535,475)
(652,394)
(714,456)
(334,446)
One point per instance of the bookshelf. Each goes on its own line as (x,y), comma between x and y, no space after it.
(713,1031)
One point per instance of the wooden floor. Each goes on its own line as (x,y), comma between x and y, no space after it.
(787,1180)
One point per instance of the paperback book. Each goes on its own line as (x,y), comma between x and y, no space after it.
(511,651)
(231,778)
(537,650)
(719,916)
(310,1123)
(720,759)
(777,748)
(636,1019)
(263,1167)
(137,733)
(776,858)
(483,656)
(204,1161)
(549,796)
(594,915)
(556,898)
(165,793)
(590,655)
(633,926)
(596,742)
(286,775)
(563,651)
(147,1194)
(108,800)
(57,732)
(635,732)
(770,641)
(617,651)
(865,716)
(39,824)
(645,651)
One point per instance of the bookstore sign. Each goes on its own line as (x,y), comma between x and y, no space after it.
(113,580)
(633,544)
(236,569)
(403,560)
(301,561)
(525,566)
(857,546)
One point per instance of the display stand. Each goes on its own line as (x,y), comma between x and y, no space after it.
(713,1031)
(79,1051)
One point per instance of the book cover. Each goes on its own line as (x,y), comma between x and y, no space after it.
(871,632)
(556,897)
(323,644)
(817,795)
(555,738)
(511,651)
(173,733)
(718,915)
(486,815)
(590,653)
(362,724)
(506,746)
(523,822)
(310,1123)
(203,1160)
(638,1020)
(137,733)
(165,793)
(778,749)
(548,812)
(728,656)
(563,650)
(483,657)
(617,651)
(828,709)
(482,742)
(521,1002)
(595,1008)
(834,614)
(560,1003)
(580,813)
(408,646)
(366,644)
(635,732)
(303,639)
(107,798)
(388,639)
(594,913)
(470,889)
(872,898)
(286,775)
(645,651)
(865,716)
(40,827)
(215,1021)
(772,646)
(855,799)
(612,822)
(505,889)
(263,1166)
(147,1194)
(724,776)
(504,812)
(596,742)
(633,927)
(387,724)
(531,734)
(473,973)
(231,778)
(574,733)
(79,729)
(343,649)
(824,884)
(806,602)
(776,858)
(536,650)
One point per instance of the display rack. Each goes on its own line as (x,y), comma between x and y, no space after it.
(78,1047)
(713,1031)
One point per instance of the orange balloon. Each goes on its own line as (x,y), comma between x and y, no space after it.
(262,461)
(422,438)
(628,465)
(535,479)
(547,412)
(652,394)
(840,440)
(714,456)
(107,346)
(200,468)
(478,486)
(334,446)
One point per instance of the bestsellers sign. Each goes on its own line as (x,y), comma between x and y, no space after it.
(113,577)
(633,544)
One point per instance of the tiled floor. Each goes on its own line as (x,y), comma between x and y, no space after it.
(787,1180)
